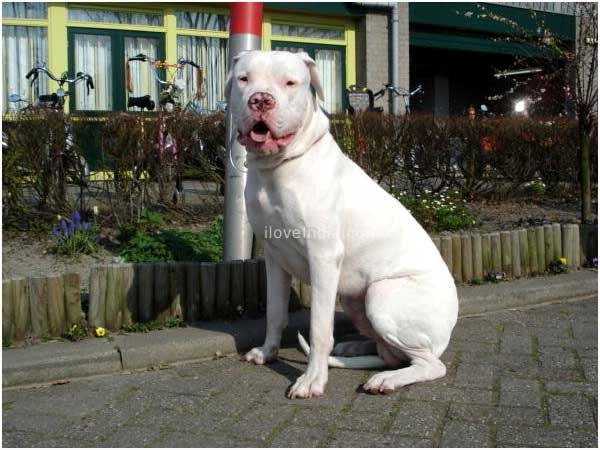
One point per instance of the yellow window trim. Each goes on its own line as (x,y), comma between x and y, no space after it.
(119,7)
(25,22)
(207,33)
(115,26)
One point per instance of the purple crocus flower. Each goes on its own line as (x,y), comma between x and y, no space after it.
(595,262)
(71,229)
(86,225)
(54,231)
(63,225)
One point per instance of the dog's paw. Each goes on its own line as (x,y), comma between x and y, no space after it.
(260,355)
(308,386)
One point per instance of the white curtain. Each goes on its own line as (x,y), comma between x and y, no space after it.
(22,49)
(329,63)
(142,73)
(211,54)
(93,56)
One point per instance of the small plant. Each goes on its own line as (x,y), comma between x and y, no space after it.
(495,276)
(476,281)
(537,186)
(438,211)
(100,332)
(75,236)
(172,245)
(175,322)
(154,325)
(151,219)
(77,332)
(558,266)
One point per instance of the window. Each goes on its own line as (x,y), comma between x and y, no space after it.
(93,56)
(211,54)
(106,16)
(102,53)
(22,49)
(202,21)
(307,31)
(330,62)
(24,10)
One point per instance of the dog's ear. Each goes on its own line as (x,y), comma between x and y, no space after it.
(229,82)
(315,79)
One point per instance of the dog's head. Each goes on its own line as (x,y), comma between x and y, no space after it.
(270,98)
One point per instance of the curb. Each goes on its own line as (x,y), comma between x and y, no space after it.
(55,361)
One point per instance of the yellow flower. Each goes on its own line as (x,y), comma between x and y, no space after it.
(58,216)
(563,261)
(96,210)
(100,332)
(73,328)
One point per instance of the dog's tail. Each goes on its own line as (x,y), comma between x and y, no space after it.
(345,362)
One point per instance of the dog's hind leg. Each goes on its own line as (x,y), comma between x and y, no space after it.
(413,316)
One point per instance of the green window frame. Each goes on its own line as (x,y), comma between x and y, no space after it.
(117,58)
(311,50)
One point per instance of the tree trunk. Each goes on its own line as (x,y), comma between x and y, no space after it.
(586,187)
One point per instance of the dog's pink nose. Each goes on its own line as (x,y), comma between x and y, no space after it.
(261,101)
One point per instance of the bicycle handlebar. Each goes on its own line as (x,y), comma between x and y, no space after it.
(34,74)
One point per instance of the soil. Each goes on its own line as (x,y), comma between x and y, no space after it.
(28,254)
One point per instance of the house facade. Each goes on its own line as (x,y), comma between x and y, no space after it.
(441,46)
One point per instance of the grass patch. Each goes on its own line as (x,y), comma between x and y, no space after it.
(173,245)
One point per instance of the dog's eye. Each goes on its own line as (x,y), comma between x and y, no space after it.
(290,83)
(244,79)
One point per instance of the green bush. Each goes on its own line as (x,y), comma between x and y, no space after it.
(443,211)
(173,245)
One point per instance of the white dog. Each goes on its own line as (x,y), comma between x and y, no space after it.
(339,231)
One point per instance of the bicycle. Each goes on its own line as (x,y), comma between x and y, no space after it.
(170,99)
(363,99)
(72,164)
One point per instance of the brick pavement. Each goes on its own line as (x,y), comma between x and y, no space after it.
(517,378)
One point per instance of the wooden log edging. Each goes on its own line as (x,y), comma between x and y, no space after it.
(121,294)
(40,306)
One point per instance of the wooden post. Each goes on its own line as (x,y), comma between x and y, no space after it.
(57,323)
(457,258)
(72,284)
(533,256)
(162,305)
(114,298)
(97,308)
(446,251)
(262,285)
(177,286)
(516,254)
(22,312)
(208,289)
(576,247)
(130,302)
(223,293)
(496,252)
(548,244)
(477,256)
(251,286)
(566,237)
(524,252)
(8,302)
(557,240)
(192,278)
(589,243)
(541,253)
(437,242)
(506,249)
(236,292)
(486,253)
(145,276)
(466,249)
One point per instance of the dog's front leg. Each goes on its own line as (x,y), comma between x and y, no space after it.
(324,276)
(278,296)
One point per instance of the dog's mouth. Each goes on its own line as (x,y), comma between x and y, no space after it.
(260,137)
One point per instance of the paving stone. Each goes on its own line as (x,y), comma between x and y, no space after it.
(295,436)
(475,375)
(347,439)
(590,368)
(519,392)
(570,387)
(545,437)
(554,358)
(432,392)
(363,421)
(260,421)
(418,419)
(570,411)
(192,440)
(512,344)
(500,414)
(378,403)
(465,434)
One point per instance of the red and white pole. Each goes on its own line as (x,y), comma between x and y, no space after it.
(245,34)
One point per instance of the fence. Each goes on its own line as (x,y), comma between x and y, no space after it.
(122,294)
